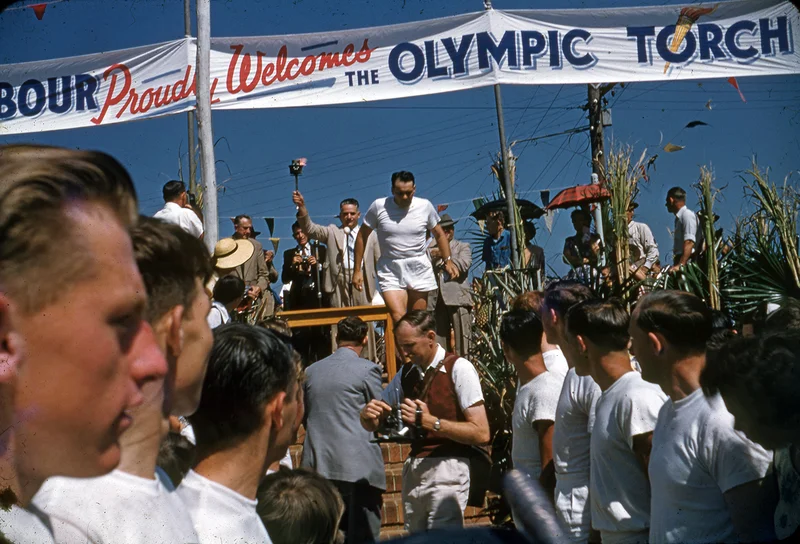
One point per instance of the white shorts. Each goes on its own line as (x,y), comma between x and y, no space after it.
(412,274)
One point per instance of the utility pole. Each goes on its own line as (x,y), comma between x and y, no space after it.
(204,132)
(595,108)
(187,31)
(508,186)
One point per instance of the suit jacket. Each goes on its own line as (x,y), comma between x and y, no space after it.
(254,270)
(336,445)
(334,238)
(297,299)
(454,292)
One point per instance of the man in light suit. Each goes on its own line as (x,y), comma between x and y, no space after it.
(254,271)
(451,302)
(341,252)
(336,445)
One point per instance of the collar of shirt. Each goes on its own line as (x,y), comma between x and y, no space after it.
(172,206)
(440,354)
(353,231)
(306,247)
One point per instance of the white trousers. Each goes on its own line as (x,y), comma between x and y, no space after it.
(435,492)
(572,506)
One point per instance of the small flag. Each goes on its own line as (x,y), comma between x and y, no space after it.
(482,224)
(548,220)
(671,148)
(732,81)
(275,243)
(270,224)
(692,124)
(477,202)
(38,10)
(709,107)
(441,207)
(545,198)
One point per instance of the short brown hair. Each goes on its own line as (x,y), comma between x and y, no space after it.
(38,184)
(530,301)
(170,261)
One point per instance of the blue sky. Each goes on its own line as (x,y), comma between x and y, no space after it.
(446,140)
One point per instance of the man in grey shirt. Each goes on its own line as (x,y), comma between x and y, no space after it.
(336,445)
(685,235)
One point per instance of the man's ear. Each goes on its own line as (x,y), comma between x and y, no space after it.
(11,344)
(657,342)
(174,328)
(431,335)
(582,345)
(275,411)
(553,316)
(365,340)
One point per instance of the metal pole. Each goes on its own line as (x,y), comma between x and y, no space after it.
(190,122)
(204,132)
(508,187)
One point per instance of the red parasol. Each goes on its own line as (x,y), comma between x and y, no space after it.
(579,195)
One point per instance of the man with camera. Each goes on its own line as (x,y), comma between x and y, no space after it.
(439,397)
(254,271)
(178,210)
(302,265)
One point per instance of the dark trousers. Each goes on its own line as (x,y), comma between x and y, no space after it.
(361,521)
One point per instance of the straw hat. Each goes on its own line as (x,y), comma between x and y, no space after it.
(230,253)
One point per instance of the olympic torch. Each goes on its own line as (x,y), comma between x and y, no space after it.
(296,169)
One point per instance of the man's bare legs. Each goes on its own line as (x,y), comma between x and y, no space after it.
(401,302)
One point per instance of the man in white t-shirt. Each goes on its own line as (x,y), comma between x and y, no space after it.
(440,395)
(625,417)
(134,503)
(249,413)
(537,396)
(405,273)
(574,416)
(177,209)
(554,359)
(76,352)
(708,480)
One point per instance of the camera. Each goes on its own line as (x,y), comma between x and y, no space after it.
(192,199)
(394,429)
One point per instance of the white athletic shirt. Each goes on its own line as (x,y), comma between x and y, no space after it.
(220,514)
(117,507)
(619,490)
(401,231)
(536,401)
(697,456)
(555,361)
(183,217)
(573,425)
(20,525)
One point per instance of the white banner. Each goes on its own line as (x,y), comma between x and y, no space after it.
(99,89)
(527,47)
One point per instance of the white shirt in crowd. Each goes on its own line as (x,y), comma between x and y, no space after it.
(686,225)
(643,244)
(217,315)
(350,252)
(221,514)
(697,456)
(572,432)
(401,231)
(25,525)
(285,462)
(466,382)
(536,401)
(183,217)
(554,361)
(620,492)
(117,507)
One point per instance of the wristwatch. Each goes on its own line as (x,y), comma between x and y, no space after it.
(437,425)
(448,259)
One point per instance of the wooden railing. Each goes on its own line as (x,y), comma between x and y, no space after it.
(331,316)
